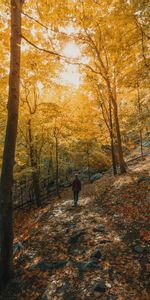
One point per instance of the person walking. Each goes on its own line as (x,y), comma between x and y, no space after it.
(76,188)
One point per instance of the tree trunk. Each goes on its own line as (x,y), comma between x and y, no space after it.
(117,126)
(6,218)
(140,117)
(141,144)
(57,167)
(112,140)
(120,151)
(50,170)
(88,162)
(113,156)
(35,171)
(147,133)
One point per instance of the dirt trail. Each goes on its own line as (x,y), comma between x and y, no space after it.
(97,251)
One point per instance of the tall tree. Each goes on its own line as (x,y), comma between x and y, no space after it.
(6,218)
(32,148)
(97,36)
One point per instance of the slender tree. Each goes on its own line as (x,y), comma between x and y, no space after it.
(107,116)
(6,220)
(140,119)
(32,148)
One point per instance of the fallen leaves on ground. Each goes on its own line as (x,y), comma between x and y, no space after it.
(98,251)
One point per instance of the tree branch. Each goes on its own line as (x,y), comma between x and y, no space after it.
(44,26)
(41,49)
(64,58)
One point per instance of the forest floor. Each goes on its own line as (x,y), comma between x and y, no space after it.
(99,250)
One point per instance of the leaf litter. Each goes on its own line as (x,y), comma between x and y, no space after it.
(57,258)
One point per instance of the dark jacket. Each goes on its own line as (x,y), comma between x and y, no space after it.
(76,185)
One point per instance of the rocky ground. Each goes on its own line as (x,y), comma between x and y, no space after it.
(100,250)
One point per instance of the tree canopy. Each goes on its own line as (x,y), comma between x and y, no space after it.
(76,89)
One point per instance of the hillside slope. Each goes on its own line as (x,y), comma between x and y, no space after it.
(98,251)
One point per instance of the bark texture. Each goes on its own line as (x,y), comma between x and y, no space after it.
(117,127)
(6,220)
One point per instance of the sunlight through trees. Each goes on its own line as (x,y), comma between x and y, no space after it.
(75,92)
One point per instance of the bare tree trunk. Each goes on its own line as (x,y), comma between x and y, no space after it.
(112,140)
(140,116)
(117,126)
(113,156)
(107,116)
(6,202)
(35,171)
(57,167)
(88,162)
(141,144)
(120,151)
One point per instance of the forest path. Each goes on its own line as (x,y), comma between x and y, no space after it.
(98,250)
